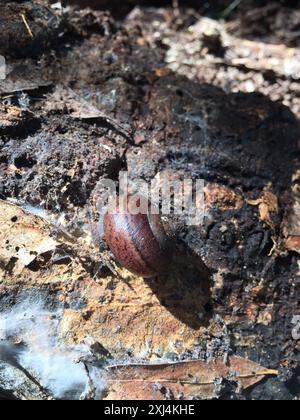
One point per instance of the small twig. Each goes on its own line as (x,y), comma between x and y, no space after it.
(6,97)
(27,25)
(91,393)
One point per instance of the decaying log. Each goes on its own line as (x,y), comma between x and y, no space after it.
(89,97)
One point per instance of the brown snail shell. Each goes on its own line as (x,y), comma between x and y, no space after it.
(138,241)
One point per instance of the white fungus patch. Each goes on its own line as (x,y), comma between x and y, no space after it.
(56,366)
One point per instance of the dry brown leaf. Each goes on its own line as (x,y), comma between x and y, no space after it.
(23,237)
(12,116)
(222,197)
(162,72)
(185,380)
(268,205)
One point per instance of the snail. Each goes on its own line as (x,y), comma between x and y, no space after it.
(139,241)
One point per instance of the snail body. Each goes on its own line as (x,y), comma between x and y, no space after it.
(138,241)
